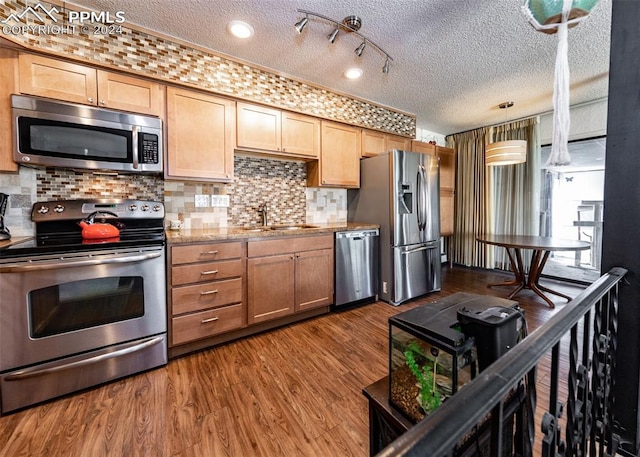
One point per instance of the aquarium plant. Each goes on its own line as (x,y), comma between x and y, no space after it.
(429,397)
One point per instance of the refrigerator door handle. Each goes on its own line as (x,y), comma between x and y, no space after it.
(421,200)
(411,251)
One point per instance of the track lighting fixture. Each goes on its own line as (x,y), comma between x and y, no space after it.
(332,36)
(351,25)
(301,23)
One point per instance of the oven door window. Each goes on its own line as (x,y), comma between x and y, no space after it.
(83,304)
(74,141)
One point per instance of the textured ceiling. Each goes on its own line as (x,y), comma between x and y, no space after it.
(454,61)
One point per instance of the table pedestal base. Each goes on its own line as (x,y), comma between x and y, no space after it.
(532,280)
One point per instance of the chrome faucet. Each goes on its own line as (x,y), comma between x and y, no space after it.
(264,210)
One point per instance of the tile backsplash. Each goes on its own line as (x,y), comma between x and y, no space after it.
(279,183)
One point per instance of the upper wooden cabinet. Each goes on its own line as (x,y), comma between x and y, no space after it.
(282,132)
(339,163)
(8,86)
(447,188)
(75,83)
(200,136)
(425,148)
(374,143)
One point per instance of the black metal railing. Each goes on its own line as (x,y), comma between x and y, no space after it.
(579,343)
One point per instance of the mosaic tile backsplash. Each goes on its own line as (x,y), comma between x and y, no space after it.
(281,184)
(145,54)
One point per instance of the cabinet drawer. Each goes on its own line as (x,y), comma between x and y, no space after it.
(206,323)
(289,245)
(207,271)
(205,252)
(187,299)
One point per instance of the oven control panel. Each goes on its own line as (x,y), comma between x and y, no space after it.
(80,209)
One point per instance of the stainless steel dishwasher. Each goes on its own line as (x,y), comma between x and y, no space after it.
(356,274)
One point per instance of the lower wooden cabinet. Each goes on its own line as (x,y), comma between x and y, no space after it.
(206,290)
(288,275)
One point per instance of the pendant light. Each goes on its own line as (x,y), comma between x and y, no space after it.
(506,152)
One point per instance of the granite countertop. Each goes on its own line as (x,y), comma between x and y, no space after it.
(257,232)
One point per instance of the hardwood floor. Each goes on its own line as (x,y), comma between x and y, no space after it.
(294,391)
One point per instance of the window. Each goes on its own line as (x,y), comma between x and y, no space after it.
(571,207)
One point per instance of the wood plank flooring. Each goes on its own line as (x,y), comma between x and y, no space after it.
(293,391)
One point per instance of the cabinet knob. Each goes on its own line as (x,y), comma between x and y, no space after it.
(90,99)
(102,102)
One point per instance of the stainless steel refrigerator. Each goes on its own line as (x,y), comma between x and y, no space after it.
(399,191)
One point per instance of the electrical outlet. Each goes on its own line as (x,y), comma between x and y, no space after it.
(220,201)
(384,287)
(202,201)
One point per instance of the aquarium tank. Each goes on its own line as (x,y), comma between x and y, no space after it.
(430,357)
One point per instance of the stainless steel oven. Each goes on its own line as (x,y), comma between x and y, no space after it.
(76,313)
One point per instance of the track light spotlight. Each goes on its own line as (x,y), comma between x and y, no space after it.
(332,36)
(301,23)
(350,25)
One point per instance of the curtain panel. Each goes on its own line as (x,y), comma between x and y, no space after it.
(494,200)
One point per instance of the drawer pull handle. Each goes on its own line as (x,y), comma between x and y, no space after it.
(209,292)
(209,253)
(211,319)
(210,272)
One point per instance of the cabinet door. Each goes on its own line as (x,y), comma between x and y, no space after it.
(425,148)
(398,142)
(259,127)
(128,93)
(373,143)
(339,164)
(447,188)
(447,167)
(270,287)
(447,202)
(56,79)
(8,86)
(300,134)
(314,279)
(200,135)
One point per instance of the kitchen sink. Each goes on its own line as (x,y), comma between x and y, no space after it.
(292,227)
(277,227)
(255,229)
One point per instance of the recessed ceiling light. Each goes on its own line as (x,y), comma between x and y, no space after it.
(353,73)
(240,29)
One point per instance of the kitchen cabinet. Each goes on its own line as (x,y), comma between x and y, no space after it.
(206,290)
(200,136)
(288,275)
(46,77)
(424,148)
(447,188)
(267,129)
(339,162)
(374,143)
(8,86)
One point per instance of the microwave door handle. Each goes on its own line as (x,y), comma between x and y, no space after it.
(134,149)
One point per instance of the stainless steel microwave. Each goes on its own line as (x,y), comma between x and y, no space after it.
(57,134)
